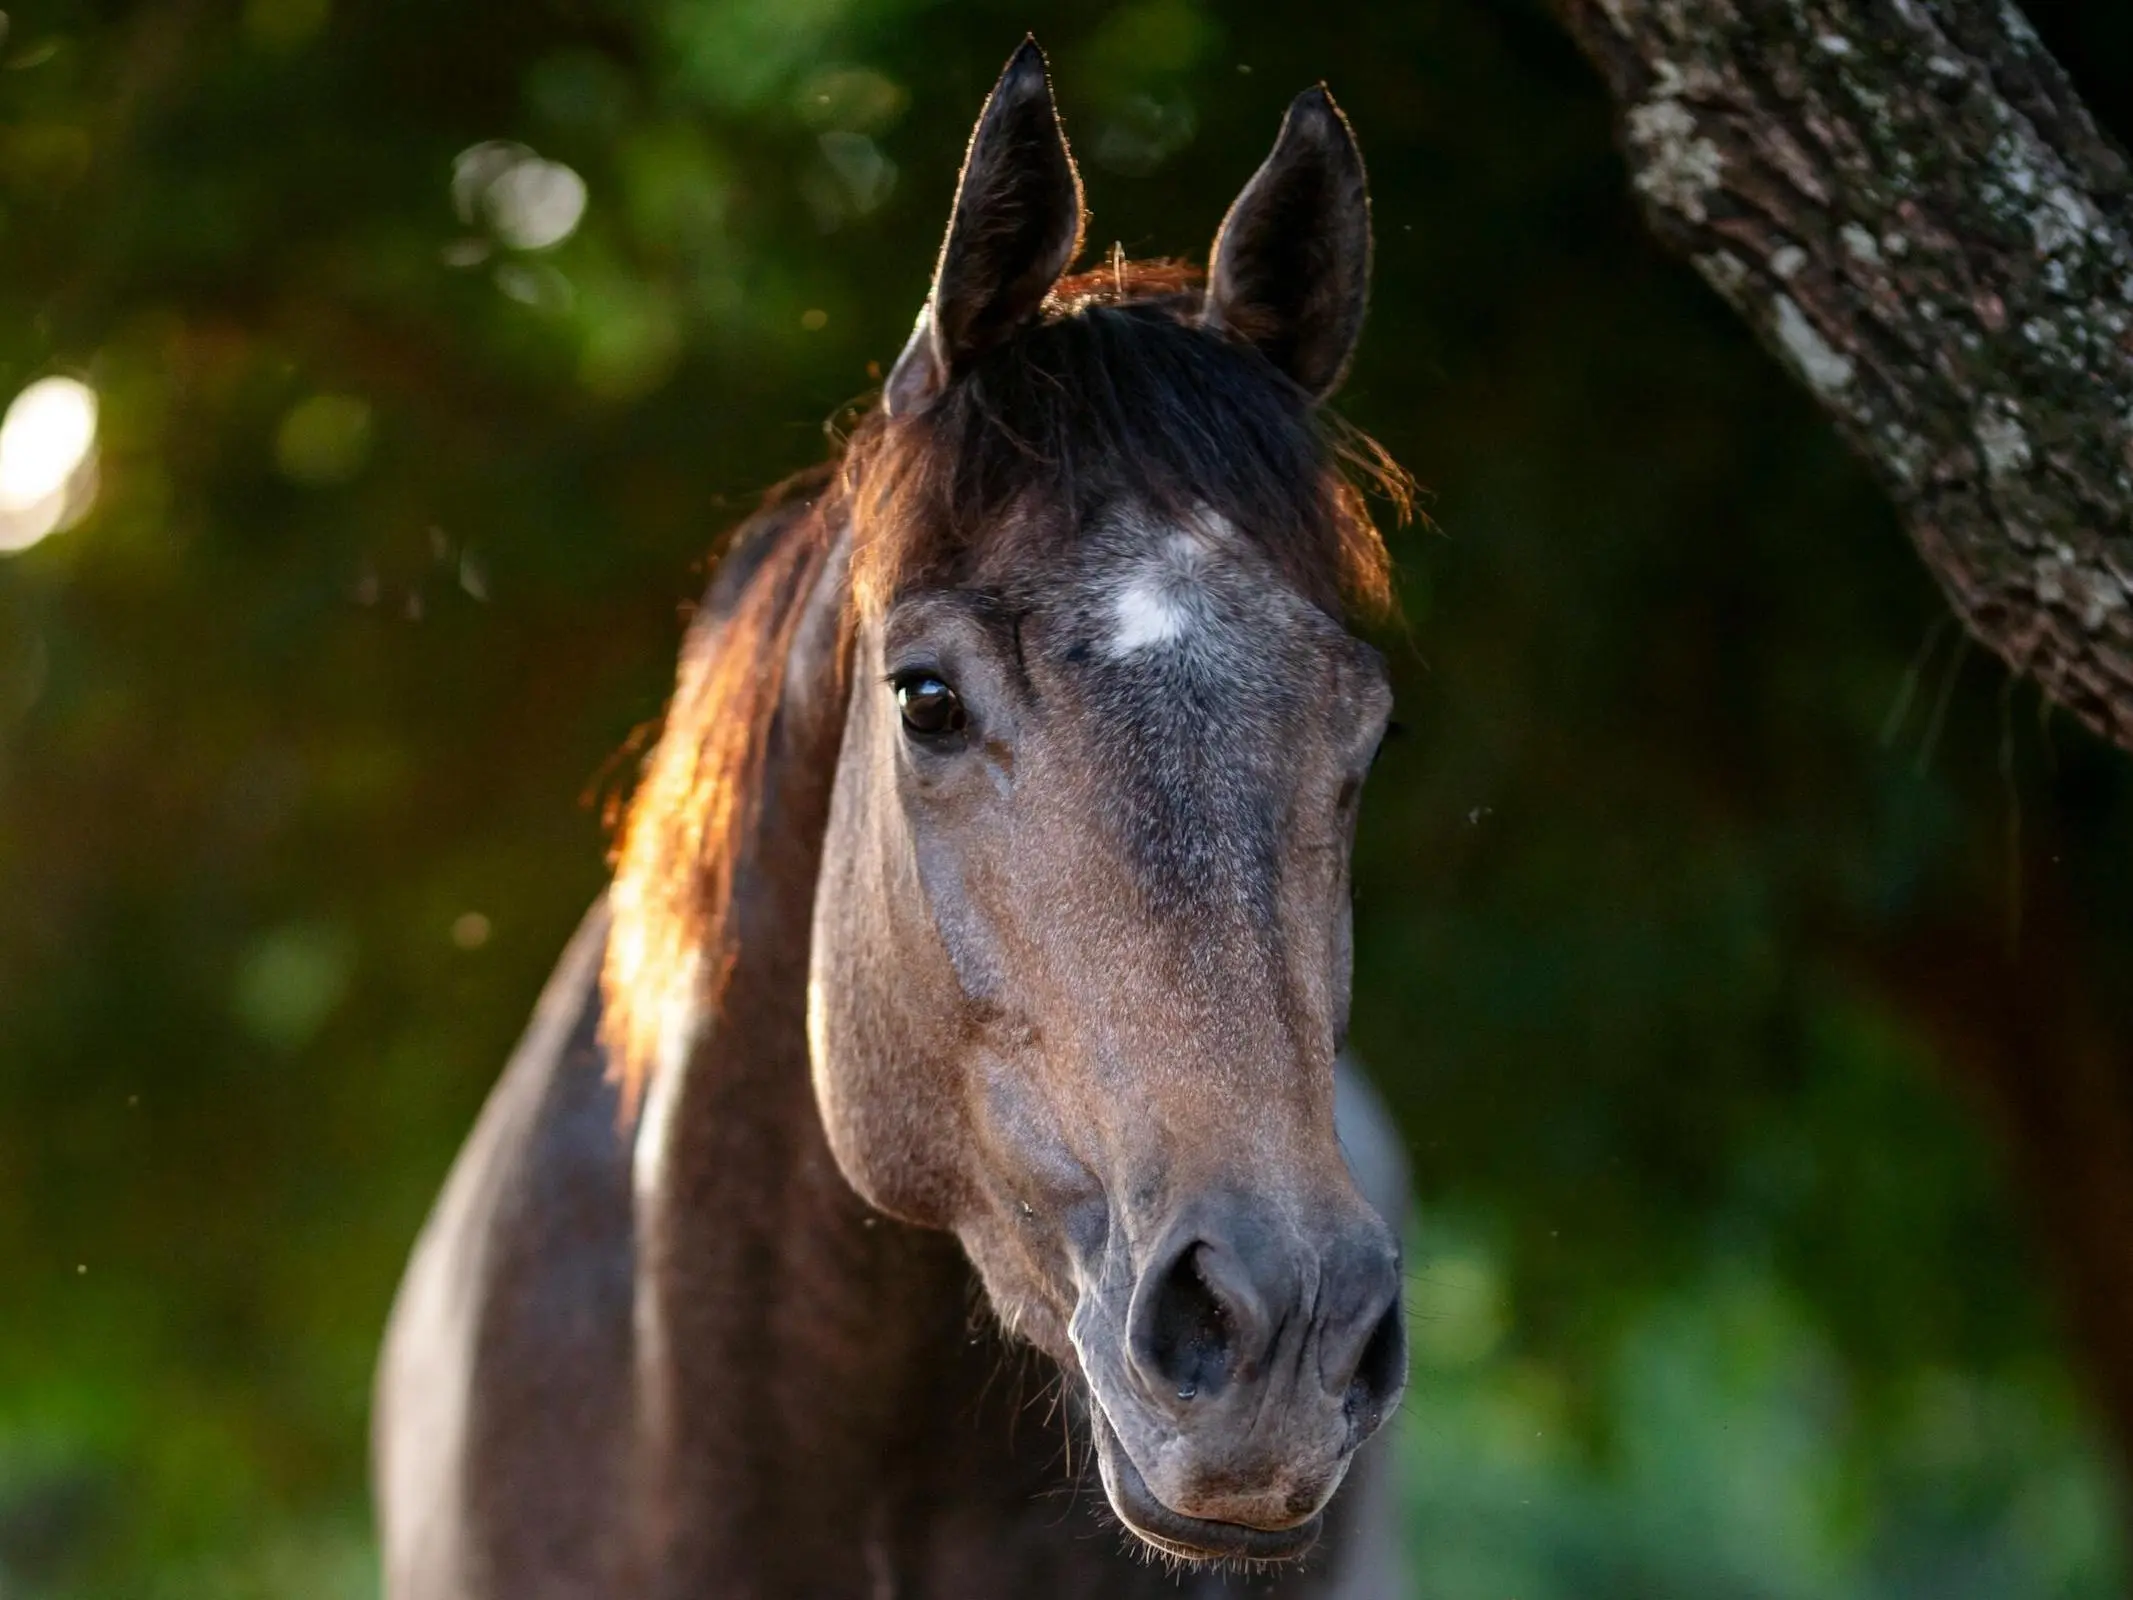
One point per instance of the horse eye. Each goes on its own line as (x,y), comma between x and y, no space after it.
(930,707)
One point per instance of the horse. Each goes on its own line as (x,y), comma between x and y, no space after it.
(932,1169)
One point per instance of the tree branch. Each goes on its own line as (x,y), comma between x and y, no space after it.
(1910,204)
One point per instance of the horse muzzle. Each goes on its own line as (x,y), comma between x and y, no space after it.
(1249,1362)
(1191,1538)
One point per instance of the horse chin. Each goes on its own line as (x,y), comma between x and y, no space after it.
(1174,1533)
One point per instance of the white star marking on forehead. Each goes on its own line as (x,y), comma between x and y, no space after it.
(1147,614)
(1160,603)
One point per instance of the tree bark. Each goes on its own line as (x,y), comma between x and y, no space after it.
(1910,204)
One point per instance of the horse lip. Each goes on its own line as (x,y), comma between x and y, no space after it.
(1174,1533)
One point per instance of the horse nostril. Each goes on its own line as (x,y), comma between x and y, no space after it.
(1380,1372)
(1189,1327)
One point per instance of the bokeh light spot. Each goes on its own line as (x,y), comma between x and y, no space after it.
(855,99)
(291,981)
(48,434)
(323,440)
(478,166)
(531,203)
(537,204)
(46,456)
(868,176)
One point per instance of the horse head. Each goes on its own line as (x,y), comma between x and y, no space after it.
(1081,947)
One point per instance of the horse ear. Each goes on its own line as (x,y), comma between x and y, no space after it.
(1015,229)
(1290,273)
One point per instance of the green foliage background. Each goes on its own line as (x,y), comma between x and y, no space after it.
(1722,1284)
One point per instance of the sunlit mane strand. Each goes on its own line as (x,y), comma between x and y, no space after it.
(1115,391)
(671,937)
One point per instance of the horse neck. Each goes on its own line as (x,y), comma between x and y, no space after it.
(792,1342)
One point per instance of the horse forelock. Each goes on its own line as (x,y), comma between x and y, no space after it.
(1117,394)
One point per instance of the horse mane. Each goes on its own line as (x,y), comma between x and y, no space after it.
(670,943)
(1113,391)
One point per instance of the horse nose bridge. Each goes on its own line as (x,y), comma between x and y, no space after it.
(1238,991)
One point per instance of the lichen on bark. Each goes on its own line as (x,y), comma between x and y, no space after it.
(1910,204)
